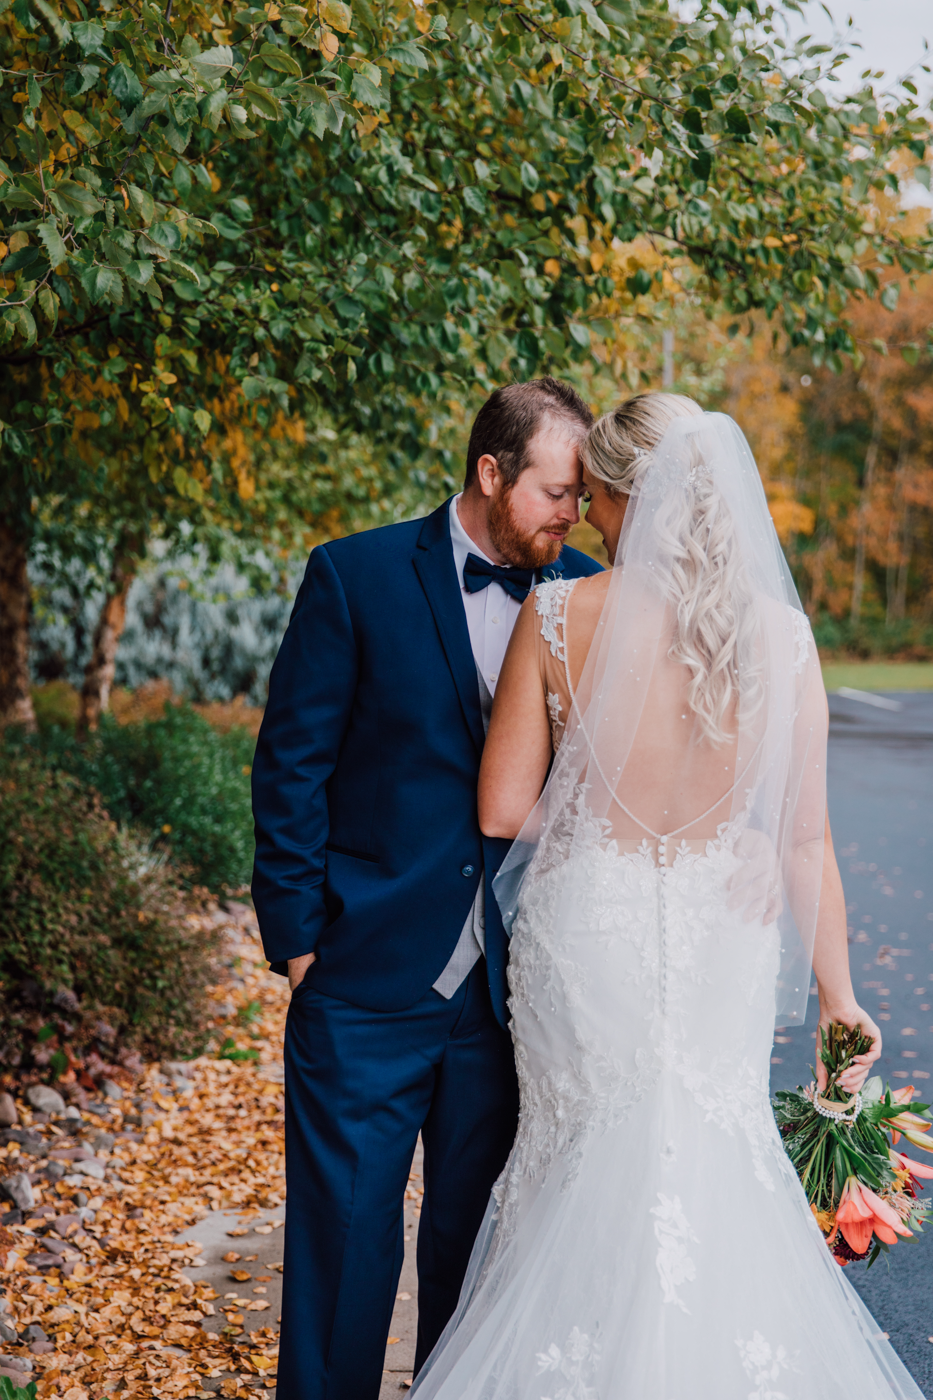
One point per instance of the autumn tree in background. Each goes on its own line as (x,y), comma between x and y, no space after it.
(380,206)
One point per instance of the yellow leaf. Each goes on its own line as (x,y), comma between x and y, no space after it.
(17,241)
(537,202)
(337,15)
(552,267)
(262,1363)
(330,44)
(422,21)
(770,242)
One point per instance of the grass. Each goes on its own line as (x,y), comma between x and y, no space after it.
(878,675)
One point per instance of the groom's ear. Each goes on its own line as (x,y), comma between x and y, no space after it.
(487,474)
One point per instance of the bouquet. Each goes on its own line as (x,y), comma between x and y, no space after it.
(863,1193)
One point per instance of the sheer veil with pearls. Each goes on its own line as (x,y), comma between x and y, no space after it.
(700,714)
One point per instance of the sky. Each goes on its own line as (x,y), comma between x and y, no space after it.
(891,33)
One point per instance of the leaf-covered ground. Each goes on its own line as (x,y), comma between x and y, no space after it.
(113,1293)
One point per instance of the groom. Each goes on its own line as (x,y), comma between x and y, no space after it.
(372,885)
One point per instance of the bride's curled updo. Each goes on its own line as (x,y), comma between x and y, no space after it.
(713,624)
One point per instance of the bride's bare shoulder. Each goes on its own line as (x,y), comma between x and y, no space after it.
(589,594)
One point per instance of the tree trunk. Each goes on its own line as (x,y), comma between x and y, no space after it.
(15,698)
(100,669)
(871,458)
(900,595)
(896,537)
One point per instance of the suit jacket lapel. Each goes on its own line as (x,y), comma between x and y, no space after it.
(434,562)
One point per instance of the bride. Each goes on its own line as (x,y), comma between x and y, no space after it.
(648,1238)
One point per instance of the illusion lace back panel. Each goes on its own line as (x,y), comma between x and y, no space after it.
(648,1238)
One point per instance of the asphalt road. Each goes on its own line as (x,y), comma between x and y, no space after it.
(881,811)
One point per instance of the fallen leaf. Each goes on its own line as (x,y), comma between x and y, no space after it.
(262,1229)
(240,1275)
(393,1340)
(240,1230)
(231,1257)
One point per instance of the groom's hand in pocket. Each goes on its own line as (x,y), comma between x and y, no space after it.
(297,967)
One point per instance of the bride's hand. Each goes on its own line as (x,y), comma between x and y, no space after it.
(861,1066)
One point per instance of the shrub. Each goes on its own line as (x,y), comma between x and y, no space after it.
(96,943)
(180,779)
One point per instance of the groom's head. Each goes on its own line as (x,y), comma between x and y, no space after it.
(523,475)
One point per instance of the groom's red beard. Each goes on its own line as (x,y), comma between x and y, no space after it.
(522,550)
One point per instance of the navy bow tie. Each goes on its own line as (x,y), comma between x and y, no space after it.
(479,574)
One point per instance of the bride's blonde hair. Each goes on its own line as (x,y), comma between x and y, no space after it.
(713,622)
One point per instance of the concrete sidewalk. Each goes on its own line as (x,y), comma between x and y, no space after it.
(253,1280)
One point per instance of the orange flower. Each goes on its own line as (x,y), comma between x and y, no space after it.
(861,1213)
(910,1124)
(907,1164)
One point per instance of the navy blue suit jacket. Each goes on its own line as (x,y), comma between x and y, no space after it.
(368,848)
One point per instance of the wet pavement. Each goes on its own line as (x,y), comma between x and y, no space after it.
(881,812)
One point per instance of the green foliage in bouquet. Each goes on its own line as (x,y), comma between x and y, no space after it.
(862,1193)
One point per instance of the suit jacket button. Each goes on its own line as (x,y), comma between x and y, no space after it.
(466,870)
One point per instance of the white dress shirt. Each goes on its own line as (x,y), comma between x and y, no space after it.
(491,613)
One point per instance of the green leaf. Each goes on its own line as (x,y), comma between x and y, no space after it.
(593,19)
(59,27)
(693,121)
(213,63)
(202,421)
(780,112)
(701,165)
(497,350)
(263,102)
(23,257)
(409,55)
(529,176)
(9,1391)
(474,199)
(48,302)
(280,60)
(102,284)
(737,121)
(23,322)
(166,234)
(125,86)
(141,202)
(53,241)
(88,35)
(364,91)
(34,92)
(177,268)
(911,353)
(580,335)
(227,228)
(890,296)
(74,200)
(139,271)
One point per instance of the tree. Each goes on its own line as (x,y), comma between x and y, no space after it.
(278,202)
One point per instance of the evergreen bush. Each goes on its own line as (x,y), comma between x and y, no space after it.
(97,945)
(179,779)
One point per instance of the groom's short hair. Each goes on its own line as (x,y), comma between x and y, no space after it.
(510,417)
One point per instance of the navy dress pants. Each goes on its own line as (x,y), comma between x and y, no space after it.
(359,1087)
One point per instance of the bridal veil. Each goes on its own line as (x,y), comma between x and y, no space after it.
(704,660)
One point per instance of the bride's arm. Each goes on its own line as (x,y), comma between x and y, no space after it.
(831,968)
(518,746)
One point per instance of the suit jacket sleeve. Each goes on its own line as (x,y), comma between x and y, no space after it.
(311,692)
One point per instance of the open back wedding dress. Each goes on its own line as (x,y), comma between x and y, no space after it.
(648,1238)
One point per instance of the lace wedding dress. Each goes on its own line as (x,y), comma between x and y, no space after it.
(648,1238)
